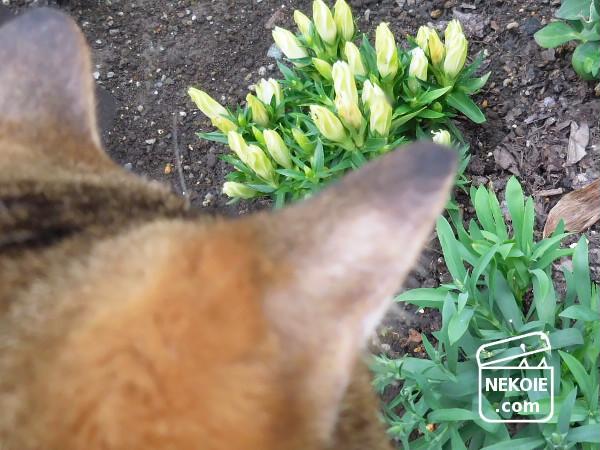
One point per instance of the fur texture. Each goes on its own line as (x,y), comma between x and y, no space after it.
(127,323)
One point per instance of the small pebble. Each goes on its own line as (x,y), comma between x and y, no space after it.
(436,13)
(208,198)
(512,25)
(150,141)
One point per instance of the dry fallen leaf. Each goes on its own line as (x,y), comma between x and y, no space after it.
(578,141)
(414,336)
(579,209)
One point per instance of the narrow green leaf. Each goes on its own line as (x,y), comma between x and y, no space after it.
(581,272)
(580,375)
(564,415)
(544,297)
(458,325)
(580,312)
(529,443)
(450,249)
(585,433)
(516,206)
(424,297)
(555,34)
(462,102)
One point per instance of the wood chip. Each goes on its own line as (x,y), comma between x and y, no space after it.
(549,192)
(578,141)
(578,209)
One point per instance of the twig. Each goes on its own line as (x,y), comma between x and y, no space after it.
(549,192)
(177,153)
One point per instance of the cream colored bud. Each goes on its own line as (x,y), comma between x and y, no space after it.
(304,24)
(323,67)
(237,143)
(342,15)
(277,148)
(422,38)
(223,124)
(343,81)
(436,48)
(259,112)
(349,111)
(453,29)
(266,90)
(371,93)
(238,190)
(387,53)
(418,64)
(354,59)
(328,124)
(380,119)
(324,22)
(288,43)
(442,137)
(260,164)
(456,53)
(205,103)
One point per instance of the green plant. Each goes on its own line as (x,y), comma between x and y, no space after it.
(580,22)
(339,104)
(502,287)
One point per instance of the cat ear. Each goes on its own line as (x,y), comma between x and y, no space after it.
(47,100)
(342,255)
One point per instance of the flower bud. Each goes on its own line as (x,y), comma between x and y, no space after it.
(260,164)
(277,148)
(328,124)
(387,53)
(237,143)
(380,119)
(371,93)
(238,190)
(259,112)
(442,137)
(354,59)
(422,38)
(323,67)
(436,48)
(223,124)
(212,109)
(205,103)
(453,29)
(288,43)
(267,89)
(304,24)
(343,81)
(342,15)
(456,49)
(349,111)
(418,64)
(324,22)
(305,144)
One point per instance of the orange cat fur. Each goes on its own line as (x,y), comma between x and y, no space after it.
(127,323)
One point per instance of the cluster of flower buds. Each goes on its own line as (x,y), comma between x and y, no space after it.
(292,129)
(448,57)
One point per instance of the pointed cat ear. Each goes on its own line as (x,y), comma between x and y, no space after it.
(46,89)
(341,256)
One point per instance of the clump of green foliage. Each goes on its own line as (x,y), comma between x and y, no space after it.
(341,102)
(580,21)
(502,287)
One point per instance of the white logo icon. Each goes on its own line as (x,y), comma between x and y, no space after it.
(513,388)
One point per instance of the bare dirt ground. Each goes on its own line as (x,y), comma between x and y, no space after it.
(148,52)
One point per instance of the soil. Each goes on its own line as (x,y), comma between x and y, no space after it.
(148,52)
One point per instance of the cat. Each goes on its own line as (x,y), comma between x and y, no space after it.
(127,321)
